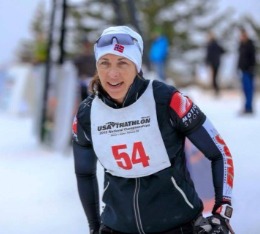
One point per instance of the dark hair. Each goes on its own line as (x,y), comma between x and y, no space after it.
(94,84)
(242,29)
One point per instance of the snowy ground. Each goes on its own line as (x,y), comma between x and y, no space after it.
(38,187)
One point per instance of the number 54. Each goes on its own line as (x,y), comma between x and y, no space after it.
(125,161)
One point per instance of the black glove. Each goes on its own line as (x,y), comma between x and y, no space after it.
(201,225)
(218,224)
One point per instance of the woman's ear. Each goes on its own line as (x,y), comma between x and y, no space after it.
(140,73)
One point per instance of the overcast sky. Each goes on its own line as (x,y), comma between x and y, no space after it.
(16,17)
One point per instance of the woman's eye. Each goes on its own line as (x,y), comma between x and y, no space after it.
(104,63)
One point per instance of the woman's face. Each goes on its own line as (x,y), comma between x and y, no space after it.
(116,75)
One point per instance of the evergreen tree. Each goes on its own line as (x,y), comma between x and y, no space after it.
(39,30)
(184,22)
(35,50)
(180,20)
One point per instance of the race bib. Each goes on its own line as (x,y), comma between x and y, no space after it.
(127,141)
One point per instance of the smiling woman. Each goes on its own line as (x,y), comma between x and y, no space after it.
(116,75)
(119,60)
(136,128)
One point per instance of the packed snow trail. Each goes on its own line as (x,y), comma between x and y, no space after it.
(38,186)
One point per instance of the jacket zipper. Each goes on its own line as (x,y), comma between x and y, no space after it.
(105,189)
(136,207)
(181,192)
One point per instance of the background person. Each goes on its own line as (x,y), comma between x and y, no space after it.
(246,66)
(85,64)
(158,54)
(136,128)
(214,51)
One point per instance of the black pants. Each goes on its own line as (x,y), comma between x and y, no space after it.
(214,79)
(184,229)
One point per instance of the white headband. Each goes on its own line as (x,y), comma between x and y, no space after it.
(132,52)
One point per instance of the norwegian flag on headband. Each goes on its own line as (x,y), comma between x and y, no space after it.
(119,48)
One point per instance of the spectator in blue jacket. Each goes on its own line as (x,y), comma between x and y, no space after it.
(158,54)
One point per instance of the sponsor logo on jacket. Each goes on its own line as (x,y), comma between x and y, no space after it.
(184,108)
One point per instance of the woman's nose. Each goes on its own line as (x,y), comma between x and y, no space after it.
(113,72)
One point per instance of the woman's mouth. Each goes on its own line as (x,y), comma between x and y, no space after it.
(115,85)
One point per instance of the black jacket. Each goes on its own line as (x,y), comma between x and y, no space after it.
(247,57)
(161,201)
(214,53)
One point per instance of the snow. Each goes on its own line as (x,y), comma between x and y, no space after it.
(38,185)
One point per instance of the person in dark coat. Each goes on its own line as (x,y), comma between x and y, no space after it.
(246,66)
(85,64)
(214,51)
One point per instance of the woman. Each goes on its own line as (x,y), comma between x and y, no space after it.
(136,128)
